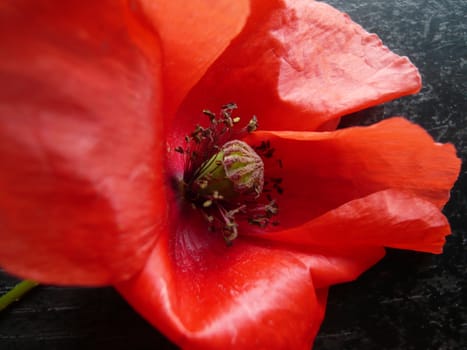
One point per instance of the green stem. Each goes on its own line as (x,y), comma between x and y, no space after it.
(16,293)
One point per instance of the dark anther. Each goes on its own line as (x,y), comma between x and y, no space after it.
(252,124)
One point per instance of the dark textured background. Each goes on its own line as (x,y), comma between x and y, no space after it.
(408,301)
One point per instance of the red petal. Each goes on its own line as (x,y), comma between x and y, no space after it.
(79,140)
(332,265)
(383,219)
(299,65)
(204,295)
(326,169)
(193,34)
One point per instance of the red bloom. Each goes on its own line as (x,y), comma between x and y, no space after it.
(95,99)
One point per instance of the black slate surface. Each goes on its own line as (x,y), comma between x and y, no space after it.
(408,301)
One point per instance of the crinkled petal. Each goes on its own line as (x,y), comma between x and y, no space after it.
(193,34)
(298,65)
(205,295)
(323,170)
(81,199)
(387,218)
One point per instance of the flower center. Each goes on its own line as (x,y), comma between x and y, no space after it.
(236,170)
(224,176)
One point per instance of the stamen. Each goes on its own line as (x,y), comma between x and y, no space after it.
(252,125)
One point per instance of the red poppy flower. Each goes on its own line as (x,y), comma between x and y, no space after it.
(95,99)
